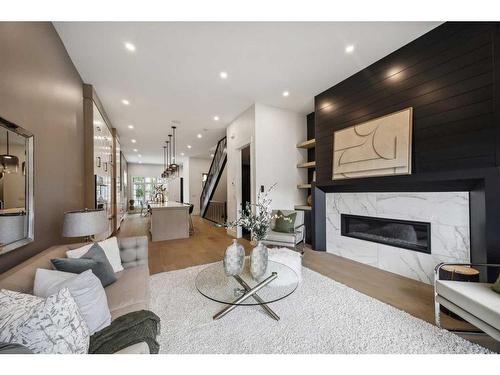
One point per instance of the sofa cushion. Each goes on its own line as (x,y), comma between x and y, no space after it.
(110,248)
(88,293)
(130,292)
(53,326)
(94,259)
(476,298)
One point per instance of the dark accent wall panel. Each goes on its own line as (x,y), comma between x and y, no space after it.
(450,76)
(446,76)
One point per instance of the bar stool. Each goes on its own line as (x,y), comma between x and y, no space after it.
(191,226)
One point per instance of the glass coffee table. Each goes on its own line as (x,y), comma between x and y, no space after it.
(242,290)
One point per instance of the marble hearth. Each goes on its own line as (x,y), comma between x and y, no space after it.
(447,212)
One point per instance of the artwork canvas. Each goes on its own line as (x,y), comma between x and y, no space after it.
(379,147)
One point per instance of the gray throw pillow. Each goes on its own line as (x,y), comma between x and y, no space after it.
(95,259)
(90,297)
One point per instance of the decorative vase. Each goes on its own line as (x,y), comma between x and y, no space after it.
(258,260)
(234,259)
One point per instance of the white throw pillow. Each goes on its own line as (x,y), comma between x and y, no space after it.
(85,288)
(111,249)
(45,279)
(52,326)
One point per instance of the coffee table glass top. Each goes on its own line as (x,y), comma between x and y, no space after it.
(213,283)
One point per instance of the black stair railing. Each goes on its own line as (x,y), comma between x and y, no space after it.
(216,168)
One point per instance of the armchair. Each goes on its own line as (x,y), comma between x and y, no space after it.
(477,303)
(287,239)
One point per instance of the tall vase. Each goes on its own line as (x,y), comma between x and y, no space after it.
(258,260)
(234,259)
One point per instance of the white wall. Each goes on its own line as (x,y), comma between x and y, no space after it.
(272,134)
(277,132)
(240,133)
(155,170)
(197,166)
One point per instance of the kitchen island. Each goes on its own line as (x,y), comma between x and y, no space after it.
(169,221)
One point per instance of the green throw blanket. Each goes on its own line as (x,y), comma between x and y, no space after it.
(128,329)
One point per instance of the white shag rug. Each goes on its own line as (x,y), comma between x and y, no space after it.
(321,316)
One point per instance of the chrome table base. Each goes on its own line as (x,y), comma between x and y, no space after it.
(250,292)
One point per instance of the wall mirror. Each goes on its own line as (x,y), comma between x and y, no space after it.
(16,186)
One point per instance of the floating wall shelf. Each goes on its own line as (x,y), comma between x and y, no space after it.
(303,207)
(310,164)
(311,143)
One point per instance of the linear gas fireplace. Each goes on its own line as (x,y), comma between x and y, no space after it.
(412,235)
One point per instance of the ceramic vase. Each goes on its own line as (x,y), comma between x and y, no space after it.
(258,260)
(234,259)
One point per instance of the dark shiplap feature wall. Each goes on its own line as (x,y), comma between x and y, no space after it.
(447,76)
(450,76)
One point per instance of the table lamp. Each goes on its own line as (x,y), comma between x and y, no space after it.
(85,223)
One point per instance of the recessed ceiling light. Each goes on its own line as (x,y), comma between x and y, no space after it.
(135,150)
(349,48)
(286,93)
(223,75)
(133,140)
(199,135)
(140,162)
(182,154)
(211,155)
(188,146)
(125,102)
(131,126)
(139,155)
(216,118)
(130,46)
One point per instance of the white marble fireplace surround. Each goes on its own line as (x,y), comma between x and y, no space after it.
(448,213)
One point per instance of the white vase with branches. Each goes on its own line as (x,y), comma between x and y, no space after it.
(257,218)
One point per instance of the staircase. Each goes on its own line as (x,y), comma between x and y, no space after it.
(216,168)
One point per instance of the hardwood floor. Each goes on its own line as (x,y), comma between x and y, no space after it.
(206,245)
(209,242)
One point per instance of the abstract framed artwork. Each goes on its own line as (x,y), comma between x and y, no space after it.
(379,147)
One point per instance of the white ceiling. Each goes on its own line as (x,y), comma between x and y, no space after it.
(174,72)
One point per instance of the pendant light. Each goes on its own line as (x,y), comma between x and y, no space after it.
(167,170)
(174,167)
(8,163)
(169,165)
(163,174)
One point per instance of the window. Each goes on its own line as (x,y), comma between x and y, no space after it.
(143,188)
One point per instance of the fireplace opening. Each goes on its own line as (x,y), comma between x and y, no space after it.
(412,235)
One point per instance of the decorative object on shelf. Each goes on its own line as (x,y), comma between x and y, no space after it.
(379,147)
(259,260)
(309,200)
(258,224)
(234,259)
(8,163)
(85,223)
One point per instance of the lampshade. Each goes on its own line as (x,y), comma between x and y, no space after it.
(84,223)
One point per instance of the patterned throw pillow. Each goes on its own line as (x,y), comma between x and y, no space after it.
(50,326)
